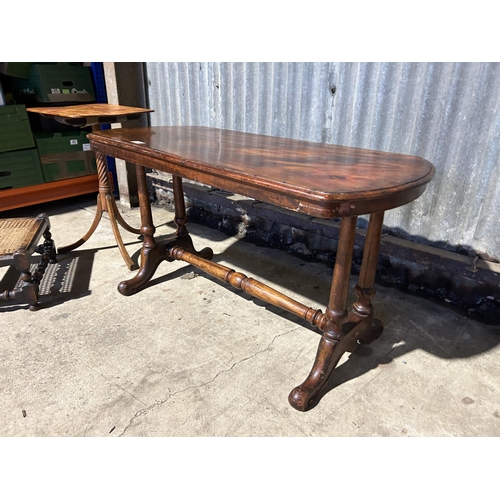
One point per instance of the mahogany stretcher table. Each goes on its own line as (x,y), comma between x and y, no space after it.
(95,115)
(317,179)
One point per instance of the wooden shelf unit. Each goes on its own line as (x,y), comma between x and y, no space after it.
(49,191)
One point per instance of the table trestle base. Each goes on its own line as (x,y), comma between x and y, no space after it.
(342,331)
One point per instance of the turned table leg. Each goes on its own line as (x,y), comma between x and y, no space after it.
(105,203)
(362,309)
(153,254)
(343,332)
(329,352)
(182,236)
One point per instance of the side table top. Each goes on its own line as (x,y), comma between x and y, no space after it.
(84,115)
(318,179)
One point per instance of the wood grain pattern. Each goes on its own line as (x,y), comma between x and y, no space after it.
(318,179)
(86,115)
(85,110)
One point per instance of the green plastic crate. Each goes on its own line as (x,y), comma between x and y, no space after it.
(18,69)
(64,155)
(20,168)
(15,130)
(55,84)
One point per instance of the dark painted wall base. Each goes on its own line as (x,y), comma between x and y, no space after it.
(472,285)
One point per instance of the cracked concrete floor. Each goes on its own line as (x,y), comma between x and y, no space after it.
(190,356)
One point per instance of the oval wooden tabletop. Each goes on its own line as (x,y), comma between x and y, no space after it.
(319,179)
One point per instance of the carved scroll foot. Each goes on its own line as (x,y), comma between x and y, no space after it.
(150,260)
(304,396)
(152,257)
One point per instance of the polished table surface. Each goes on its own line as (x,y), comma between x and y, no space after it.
(320,180)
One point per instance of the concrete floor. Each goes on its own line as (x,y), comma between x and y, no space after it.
(190,356)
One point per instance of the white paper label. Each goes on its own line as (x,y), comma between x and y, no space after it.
(73,142)
(86,147)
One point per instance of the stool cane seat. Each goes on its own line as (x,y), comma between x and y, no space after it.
(19,239)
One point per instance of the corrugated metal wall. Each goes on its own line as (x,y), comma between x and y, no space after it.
(446,112)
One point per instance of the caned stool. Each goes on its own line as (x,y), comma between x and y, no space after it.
(19,239)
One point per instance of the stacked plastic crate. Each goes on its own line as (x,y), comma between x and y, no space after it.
(64,152)
(19,161)
(60,162)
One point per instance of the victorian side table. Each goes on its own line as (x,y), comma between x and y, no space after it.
(95,115)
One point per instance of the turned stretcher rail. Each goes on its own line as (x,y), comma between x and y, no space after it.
(251,286)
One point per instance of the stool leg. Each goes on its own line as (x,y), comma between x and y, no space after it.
(48,251)
(30,294)
(29,285)
(27,293)
(48,247)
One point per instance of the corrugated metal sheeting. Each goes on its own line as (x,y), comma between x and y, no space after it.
(446,112)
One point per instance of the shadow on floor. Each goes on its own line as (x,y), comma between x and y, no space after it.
(446,337)
(66,280)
